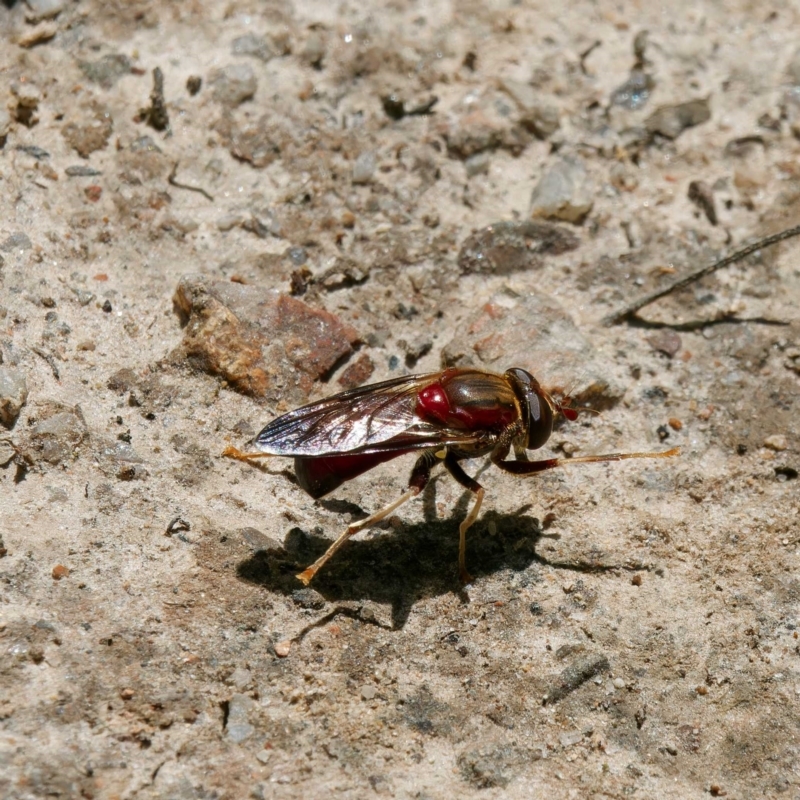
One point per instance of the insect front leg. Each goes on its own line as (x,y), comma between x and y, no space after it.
(454,468)
(530,467)
(420,476)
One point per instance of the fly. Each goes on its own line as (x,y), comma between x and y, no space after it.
(444,417)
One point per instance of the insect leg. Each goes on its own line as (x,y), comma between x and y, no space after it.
(454,468)
(233,452)
(419,478)
(530,467)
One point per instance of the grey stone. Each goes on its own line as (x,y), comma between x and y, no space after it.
(506,247)
(241,678)
(17,241)
(238,727)
(565,192)
(7,451)
(107,70)
(44,9)
(635,92)
(233,85)
(252,45)
(13,394)
(57,436)
(5,124)
(671,121)
(364,167)
(478,164)
(314,50)
(539,115)
(259,541)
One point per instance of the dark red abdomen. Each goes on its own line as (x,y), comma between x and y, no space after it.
(318,475)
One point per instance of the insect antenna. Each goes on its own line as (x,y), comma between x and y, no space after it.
(570,411)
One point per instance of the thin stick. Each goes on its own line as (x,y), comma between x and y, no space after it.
(630,310)
(172,179)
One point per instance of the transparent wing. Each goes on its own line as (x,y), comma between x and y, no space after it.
(376,418)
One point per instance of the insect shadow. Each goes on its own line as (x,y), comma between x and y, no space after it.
(399,568)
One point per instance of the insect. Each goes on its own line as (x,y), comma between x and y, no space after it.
(443,416)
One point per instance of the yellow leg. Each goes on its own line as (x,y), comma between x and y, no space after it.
(233,452)
(462,541)
(307,574)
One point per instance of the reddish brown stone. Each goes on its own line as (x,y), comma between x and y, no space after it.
(263,342)
(667,342)
(358,372)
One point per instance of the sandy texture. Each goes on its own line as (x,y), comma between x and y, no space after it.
(632,628)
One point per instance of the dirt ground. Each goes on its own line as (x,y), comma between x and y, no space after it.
(632,628)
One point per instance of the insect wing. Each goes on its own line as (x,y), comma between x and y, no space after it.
(378,417)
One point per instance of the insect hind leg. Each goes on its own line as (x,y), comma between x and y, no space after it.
(454,468)
(420,476)
(238,455)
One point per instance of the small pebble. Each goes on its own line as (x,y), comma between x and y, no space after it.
(539,115)
(675,423)
(107,70)
(126,694)
(776,442)
(81,171)
(238,727)
(478,164)
(282,648)
(666,342)
(193,84)
(5,125)
(241,678)
(252,45)
(28,94)
(368,692)
(59,572)
(636,580)
(635,92)
(229,221)
(234,84)
(13,395)
(43,9)
(565,192)
(17,241)
(671,121)
(619,683)
(364,167)
(43,32)
(314,51)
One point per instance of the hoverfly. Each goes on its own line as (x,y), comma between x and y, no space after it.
(443,416)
